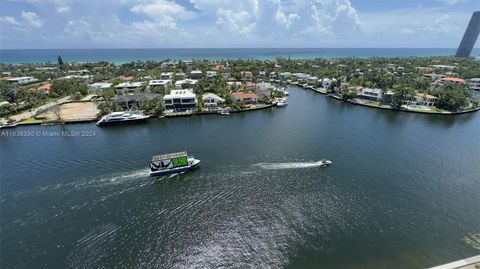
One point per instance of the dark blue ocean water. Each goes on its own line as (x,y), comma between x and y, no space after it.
(120,56)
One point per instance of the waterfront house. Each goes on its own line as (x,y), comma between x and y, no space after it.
(387,97)
(22,80)
(371,94)
(128,87)
(196,74)
(246,98)
(326,82)
(264,89)
(180,99)
(284,75)
(474,84)
(302,78)
(185,84)
(129,101)
(166,75)
(313,81)
(212,100)
(425,99)
(273,76)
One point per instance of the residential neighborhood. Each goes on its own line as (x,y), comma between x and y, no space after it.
(170,87)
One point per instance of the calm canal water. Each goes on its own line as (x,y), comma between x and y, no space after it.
(403,191)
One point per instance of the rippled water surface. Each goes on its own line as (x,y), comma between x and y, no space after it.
(403,191)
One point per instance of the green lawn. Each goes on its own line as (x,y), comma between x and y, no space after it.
(30,120)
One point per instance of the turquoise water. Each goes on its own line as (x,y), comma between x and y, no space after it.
(119,56)
(403,191)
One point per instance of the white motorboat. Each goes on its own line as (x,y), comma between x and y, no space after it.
(324,162)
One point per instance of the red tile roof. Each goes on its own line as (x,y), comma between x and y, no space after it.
(243,95)
(459,80)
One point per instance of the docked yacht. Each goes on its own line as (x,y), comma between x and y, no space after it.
(281,101)
(172,163)
(118,118)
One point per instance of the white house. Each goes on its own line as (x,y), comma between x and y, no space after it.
(371,94)
(167,75)
(180,76)
(162,83)
(326,82)
(312,80)
(128,87)
(196,74)
(474,84)
(284,75)
(211,99)
(99,86)
(180,99)
(185,84)
(22,80)
(425,99)
(211,74)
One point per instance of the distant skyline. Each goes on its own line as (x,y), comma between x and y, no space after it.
(43,24)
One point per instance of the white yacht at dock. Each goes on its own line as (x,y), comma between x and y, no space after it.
(119,118)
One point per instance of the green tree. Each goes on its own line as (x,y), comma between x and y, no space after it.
(401,94)
(451,100)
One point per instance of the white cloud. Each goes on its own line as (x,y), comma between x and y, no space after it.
(63,9)
(234,22)
(163,8)
(229,23)
(31,19)
(9,21)
(453,2)
(285,19)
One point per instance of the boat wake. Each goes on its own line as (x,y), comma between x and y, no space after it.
(297,165)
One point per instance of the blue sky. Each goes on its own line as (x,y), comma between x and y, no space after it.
(233,23)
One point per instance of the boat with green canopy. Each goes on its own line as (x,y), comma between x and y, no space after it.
(172,163)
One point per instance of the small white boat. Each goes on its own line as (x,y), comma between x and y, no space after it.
(324,162)
(225,113)
(173,163)
(281,104)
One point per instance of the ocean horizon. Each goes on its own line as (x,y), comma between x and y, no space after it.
(121,56)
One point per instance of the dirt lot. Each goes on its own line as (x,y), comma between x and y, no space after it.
(74,111)
(79,110)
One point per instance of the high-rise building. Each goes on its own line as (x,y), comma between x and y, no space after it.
(470,36)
